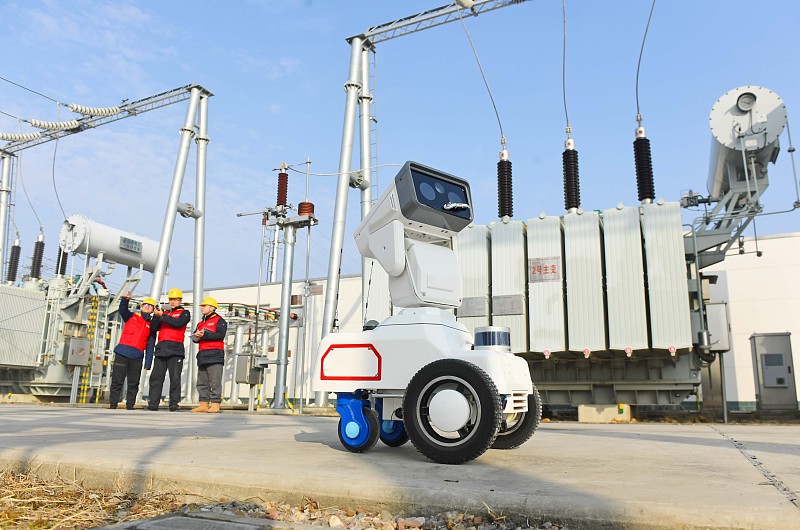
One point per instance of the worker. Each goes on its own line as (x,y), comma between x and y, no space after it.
(170,326)
(129,353)
(210,338)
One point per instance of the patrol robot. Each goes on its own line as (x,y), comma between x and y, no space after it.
(419,375)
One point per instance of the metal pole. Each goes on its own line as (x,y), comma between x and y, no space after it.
(278,401)
(76,381)
(251,406)
(299,362)
(5,190)
(308,321)
(262,394)
(722,386)
(238,349)
(340,212)
(260,275)
(187,131)
(366,161)
(199,225)
(273,258)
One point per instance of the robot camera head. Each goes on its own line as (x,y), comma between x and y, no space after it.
(409,232)
(429,203)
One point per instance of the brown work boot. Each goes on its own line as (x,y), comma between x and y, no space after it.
(214,408)
(202,407)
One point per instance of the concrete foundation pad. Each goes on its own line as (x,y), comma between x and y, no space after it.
(618,413)
(19,398)
(589,476)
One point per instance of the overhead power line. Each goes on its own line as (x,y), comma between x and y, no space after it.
(28,89)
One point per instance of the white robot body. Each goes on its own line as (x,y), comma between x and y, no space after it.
(419,375)
(387,357)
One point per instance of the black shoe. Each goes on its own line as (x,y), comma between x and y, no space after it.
(151,407)
(112,406)
(129,407)
(174,409)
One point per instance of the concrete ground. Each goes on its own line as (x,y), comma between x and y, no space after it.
(589,476)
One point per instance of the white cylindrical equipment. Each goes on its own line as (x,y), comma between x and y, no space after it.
(84,236)
(747,119)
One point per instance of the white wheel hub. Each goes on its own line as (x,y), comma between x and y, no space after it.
(449,410)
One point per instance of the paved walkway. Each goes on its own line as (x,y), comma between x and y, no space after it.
(590,476)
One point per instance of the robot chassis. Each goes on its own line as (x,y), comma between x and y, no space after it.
(419,375)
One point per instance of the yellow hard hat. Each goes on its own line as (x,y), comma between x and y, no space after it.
(175,293)
(209,301)
(150,301)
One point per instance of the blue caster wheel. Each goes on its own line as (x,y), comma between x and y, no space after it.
(393,432)
(359,427)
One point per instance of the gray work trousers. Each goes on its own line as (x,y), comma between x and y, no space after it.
(209,383)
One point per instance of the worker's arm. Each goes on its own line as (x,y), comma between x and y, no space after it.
(175,322)
(124,312)
(222,328)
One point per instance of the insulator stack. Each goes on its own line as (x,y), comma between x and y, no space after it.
(505,192)
(38,253)
(305,208)
(283,188)
(61,262)
(13,262)
(644,169)
(94,111)
(572,184)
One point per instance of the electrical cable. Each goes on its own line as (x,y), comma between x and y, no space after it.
(755,236)
(343,173)
(28,89)
(564,67)
(485,82)
(369,288)
(639,64)
(55,150)
(308,168)
(25,191)
(569,158)
(10,115)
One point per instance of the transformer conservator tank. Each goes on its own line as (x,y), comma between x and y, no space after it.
(83,236)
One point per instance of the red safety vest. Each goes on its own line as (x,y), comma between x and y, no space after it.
(170,333)
(211,325)
(135,332)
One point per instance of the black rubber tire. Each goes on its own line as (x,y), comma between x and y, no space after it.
(396,441)
(372,439)
(485,411)
(516,429)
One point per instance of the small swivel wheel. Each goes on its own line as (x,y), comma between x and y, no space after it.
(452,411)
(359,427)
(517,428)
(393,432)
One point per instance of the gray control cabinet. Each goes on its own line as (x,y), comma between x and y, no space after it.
(773,371)
(246,371)
(76,352)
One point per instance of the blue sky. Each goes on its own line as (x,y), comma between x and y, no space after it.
(277,69)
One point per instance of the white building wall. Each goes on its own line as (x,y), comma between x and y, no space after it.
(349,320)
(763,296)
